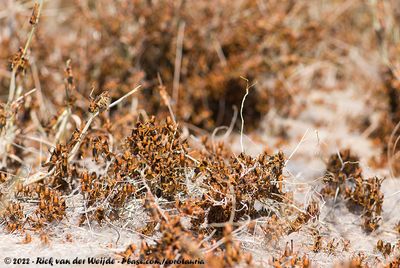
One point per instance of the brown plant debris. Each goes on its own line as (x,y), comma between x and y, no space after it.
(343,178)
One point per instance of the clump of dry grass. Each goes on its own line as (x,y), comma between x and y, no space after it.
(290,258)
(344,179)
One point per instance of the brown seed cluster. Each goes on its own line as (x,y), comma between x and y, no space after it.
(290,258)
(311,213)
(174,240)
(51,207)
(344,178)
(241,180)
(100,103)
(70,85)
(13,216)
(232,255)
(59,161)
(357,261)
(274,229)
(19,62)
(34,18)
(327,245)
(397,228)
(160,152)
(341,168)
(96,189)
(384,248)
(3,116)
(100,147)
(3,177)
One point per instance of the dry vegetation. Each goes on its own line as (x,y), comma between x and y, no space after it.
(111,114)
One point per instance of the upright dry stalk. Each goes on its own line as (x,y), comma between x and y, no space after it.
(90,120)
(165,97)
(241,111)
(64,117)
(38,176)
(34,20)
(391,151)
(178,61)
(8,134)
